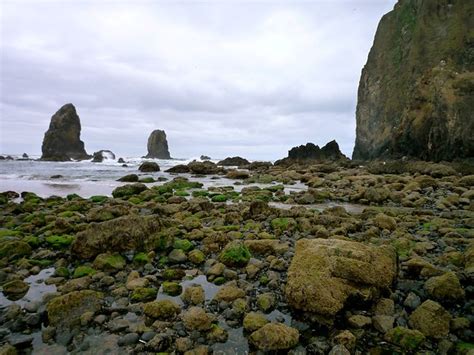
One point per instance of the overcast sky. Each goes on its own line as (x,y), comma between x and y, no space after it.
(234,77)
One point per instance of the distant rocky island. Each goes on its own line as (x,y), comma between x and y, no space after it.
(62,140)
(158,145)
(416,93)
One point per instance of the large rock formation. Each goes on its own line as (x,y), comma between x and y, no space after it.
(312,152)
(416,93)
(62,140)
(158,145)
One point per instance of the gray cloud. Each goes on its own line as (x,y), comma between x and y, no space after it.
(240,77)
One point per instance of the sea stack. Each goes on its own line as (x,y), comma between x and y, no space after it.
(62,140)
(416,92)
(158,145)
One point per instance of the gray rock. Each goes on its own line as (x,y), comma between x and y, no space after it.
(128,339)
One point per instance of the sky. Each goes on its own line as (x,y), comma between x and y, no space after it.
(222,78)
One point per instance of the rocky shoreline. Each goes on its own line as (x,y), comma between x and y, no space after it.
(176,268)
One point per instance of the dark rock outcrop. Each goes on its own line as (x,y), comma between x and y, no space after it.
(178,169)
(102,155)
(233,161)
(62,140)
(312,152)
(416,91)
(158,145)
(205,157)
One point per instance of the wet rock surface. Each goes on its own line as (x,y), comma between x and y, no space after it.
(157,145)
(362,259)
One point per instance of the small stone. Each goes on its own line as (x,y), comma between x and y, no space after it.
(339,350)
(383,323)
(345,338)
(359,321)
(408,339)
(412,301)
(266,302)
(384,307)
(128,339)
(196,318)
(163,309)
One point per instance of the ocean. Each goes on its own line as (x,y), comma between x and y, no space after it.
(86,178)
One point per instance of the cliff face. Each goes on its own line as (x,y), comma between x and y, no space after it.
(158,145)
(62,140)
(416,92)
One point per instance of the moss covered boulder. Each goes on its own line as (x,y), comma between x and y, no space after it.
(235,253)
(254,321)
(109,262)
(122,234)
(129,190)
(14,249)
(16,289)
(143,294)
(407,339)
(431,319)
(324,273)
(196,318)
(445,288)
(274,336)
(162,310)
(229,293)
(65,311)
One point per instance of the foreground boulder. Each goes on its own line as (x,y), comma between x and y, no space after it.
(62,139)
(158,145)
(275,336)
(233,161)
(149,167)
(416,91)
(118,235)
(324,273)
(203,168)
(65,311)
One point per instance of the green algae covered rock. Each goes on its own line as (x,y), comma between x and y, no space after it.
(143,294)
(162,310)
(109,262)
(235,254)
(14,249)
(59,241)
(65,311)
(274,336)
(408,339)
(172,288)
(82,271)
(196,318)
(129,190)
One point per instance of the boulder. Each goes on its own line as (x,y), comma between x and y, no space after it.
(205,157)
(274,336)
(203,168)
(196,318)
(15,289)
(178,169)
(62,139)
(158,145)
(324,273)
(431,319)
(233,161)
(445,288)
(128,190)
(149,167)
(129,178)
(127,233)
(65,311)
(101,155)
(162,310)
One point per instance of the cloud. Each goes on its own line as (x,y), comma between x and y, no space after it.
(240,77)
